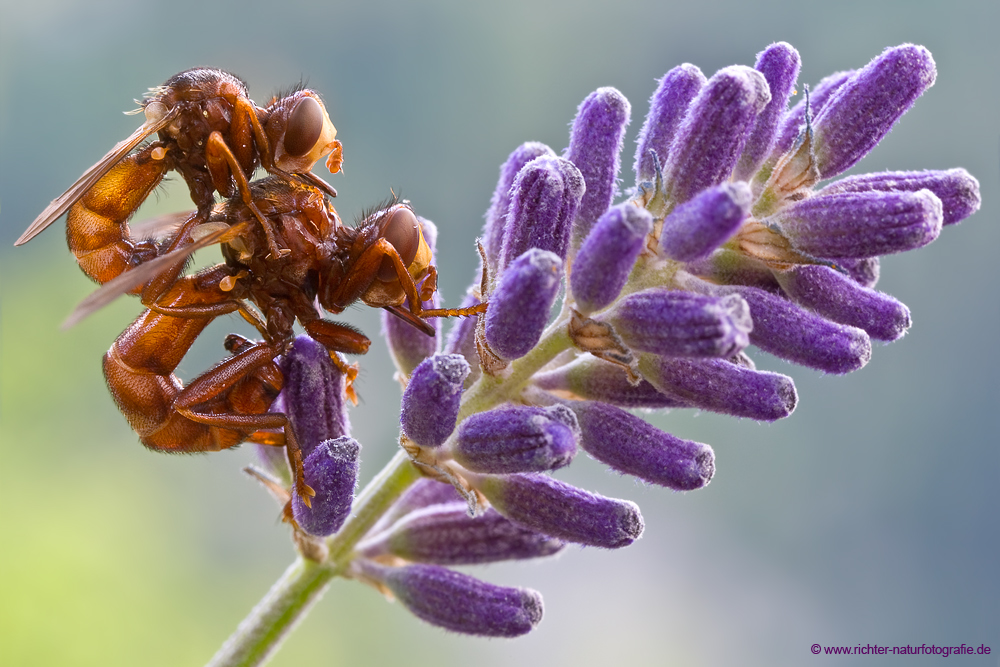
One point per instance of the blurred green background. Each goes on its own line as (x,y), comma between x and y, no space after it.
(868,516)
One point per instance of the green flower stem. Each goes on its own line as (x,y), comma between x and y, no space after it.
(304,582)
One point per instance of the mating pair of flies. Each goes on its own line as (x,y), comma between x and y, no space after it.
(284,246)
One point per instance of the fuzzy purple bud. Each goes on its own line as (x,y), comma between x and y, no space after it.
(447,535)
(605,259)
(667,109)
(865,108)
(544,201)
(313,395)
(864,271)
(795,120)
(496,217)
(787,331)
(555,508)
(722,386)
(519,306)
(779,63)
(589,378)
(635,447)
(839,298)
(516,438)
(422,493)
(957,189)
(332,472)
(697,227)
(676,323)
(711,137)
(861,224)
(595,145)
(431,400)
(458,602)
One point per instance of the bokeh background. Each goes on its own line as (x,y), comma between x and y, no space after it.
(867,517)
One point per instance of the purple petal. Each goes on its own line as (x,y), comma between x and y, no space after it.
(589,378)
(332,472)
(712,135)
(865,108)
(667,108)
(779,63)
(794,121)
(458,602)
(635,447)
(861,224)
(957,189)
(313,394)
(447,535)
(839,298)
(722,386)
(595,146)
(432,397)
(548,506)
(520,304)
(697,227)
(516,438)
(605,259)
(681,324)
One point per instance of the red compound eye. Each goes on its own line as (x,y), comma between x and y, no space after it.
(305,124)
(402,230)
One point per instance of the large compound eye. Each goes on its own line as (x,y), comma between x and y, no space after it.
(305,124)
(403,231)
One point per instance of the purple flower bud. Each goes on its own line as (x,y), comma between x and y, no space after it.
(722,386)
(697,227)
(431,400)
(635,447)
(589,378)
(787,331)
(519,306)
(731,267)
(496,217)
(865,108)
(313,394)
(332,472)
(861,224)
(676,323)
(839,298)
(712,135)
(595,145)
(462,340)
(548,506)
(779,63)
(795,120)
(458,602)
(605,259)
(667,108)
(957,189)
(864,271)
(516,438)
(544,200)
(422,493)
(447,535)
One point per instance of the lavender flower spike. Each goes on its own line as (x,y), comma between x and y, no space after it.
(957,189)
(447,535)
(711,137)
(544,200)
(667,108)
(605,259)
(548,506)
(861,224)
(458,602)
(595,145)
(635,447)
(517,438)
(332,472)
(779,63)
(496,217)
(313,395)
(676,323)
(865,108)
(839,298)
(519,307)
(697,227)
(431,399)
